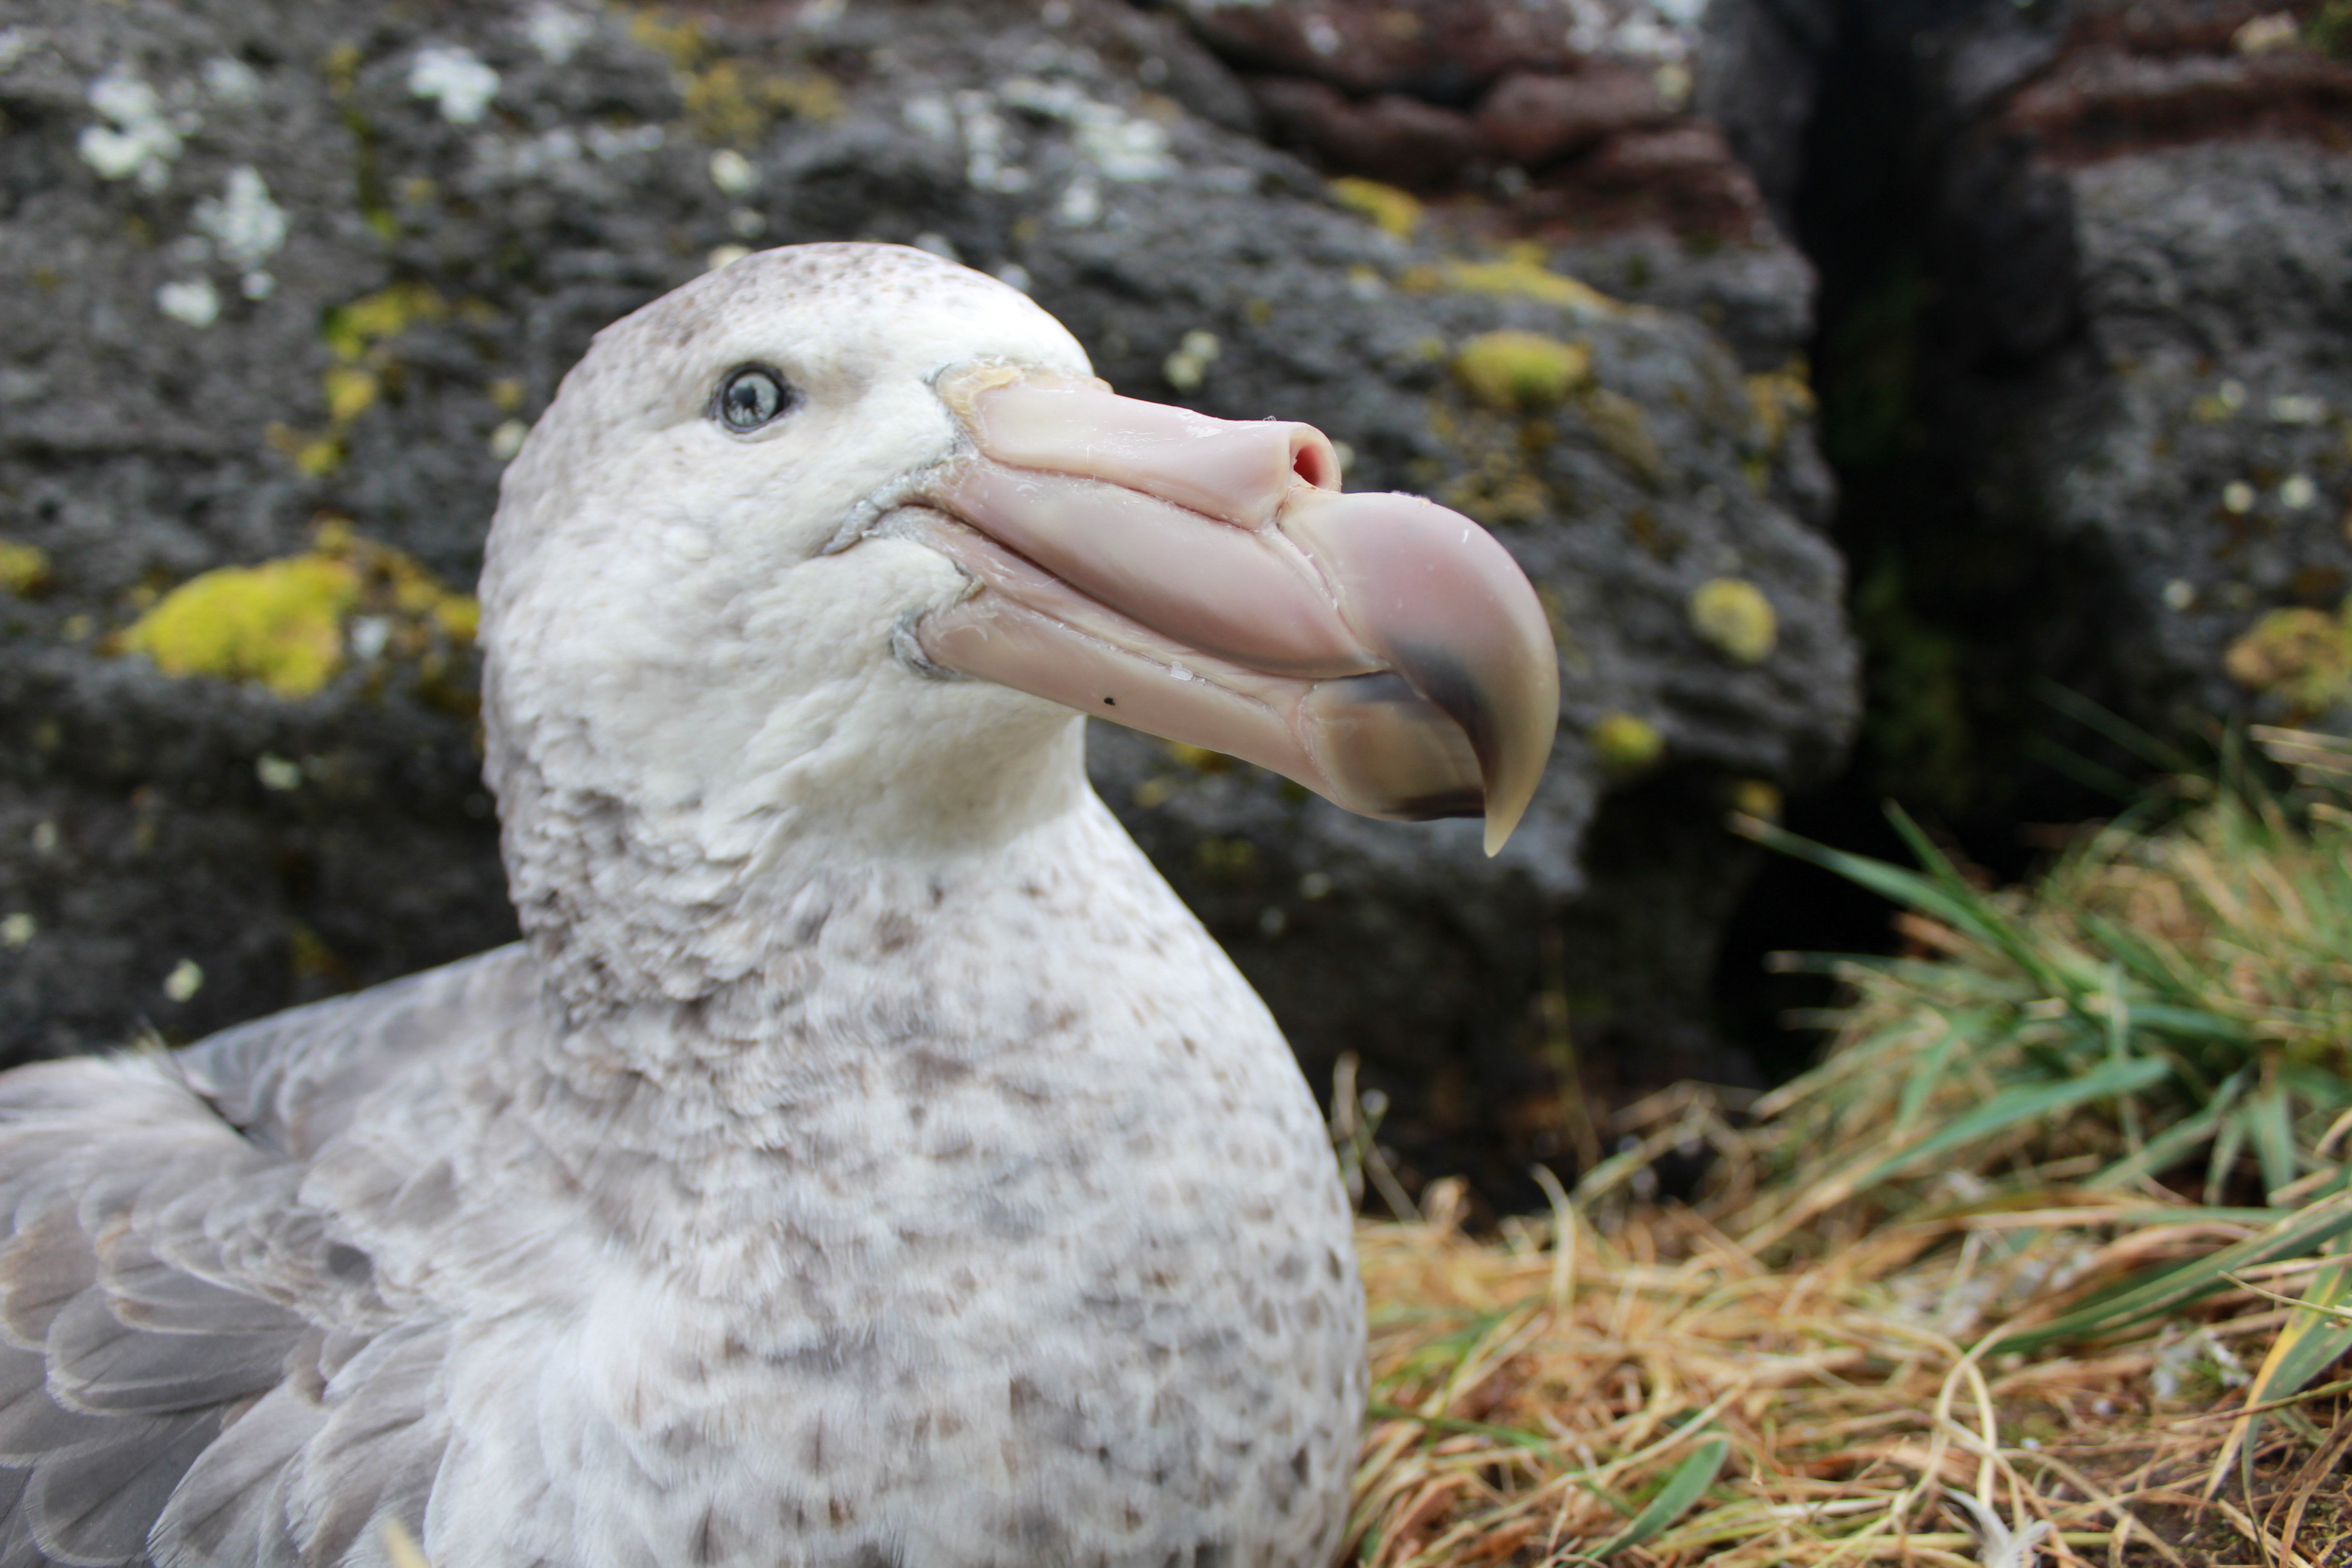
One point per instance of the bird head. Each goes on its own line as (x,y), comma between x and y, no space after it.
(849,533)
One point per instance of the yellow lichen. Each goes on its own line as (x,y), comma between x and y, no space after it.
(1618,423)
(351,392)
(1518,274)
(1200,758)
(1494,477)
(279,623)
(1516,372)
(1780,400)
(1735,618)
(24,568)
(1758,798)
(1625,744)
(727,103)
(352,329)
(1390,209)
(2302,656)
(1226,858)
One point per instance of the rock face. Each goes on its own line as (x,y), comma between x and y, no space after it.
(2087,378)
(288,283)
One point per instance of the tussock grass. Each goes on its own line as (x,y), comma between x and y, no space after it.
(2047,1261)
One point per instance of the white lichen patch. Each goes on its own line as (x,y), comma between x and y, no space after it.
(507,438)
(1653,30)
(187,978)
(1115,144)
(1189,367)
(2298,408)
(456,79)
(18,929)
(989,164)
(2298,492)
(553,152)
(556,32)
(929,114)
(1081,203)
(228,80)
(15,43)
(733,173)
(140,136)
(192,300)
(245,226)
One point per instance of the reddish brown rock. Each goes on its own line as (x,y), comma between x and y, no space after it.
(1442,50)
(1400,139)
(2105,100)
(1533,119)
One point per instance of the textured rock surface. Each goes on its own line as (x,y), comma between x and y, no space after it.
(2088,378)
(271,262)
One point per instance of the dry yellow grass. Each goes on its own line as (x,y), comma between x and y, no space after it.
(1529,1400)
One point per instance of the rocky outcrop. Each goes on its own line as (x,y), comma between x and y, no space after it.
(290,281)
(2088,385)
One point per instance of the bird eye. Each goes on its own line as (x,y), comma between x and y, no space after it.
(751,398)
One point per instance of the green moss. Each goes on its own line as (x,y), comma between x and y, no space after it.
(1390,209)
(2302,656)
(1519,373)
(24,568)
(279,623)
(1915,710)
(2330,31)
(1875,353)
(1736,619)
(1625,744)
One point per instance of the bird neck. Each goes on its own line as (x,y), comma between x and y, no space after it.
(726,902)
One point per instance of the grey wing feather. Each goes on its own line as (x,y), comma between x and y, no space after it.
(96,1506)
(194,1370)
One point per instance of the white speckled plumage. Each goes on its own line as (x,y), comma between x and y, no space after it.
(866,1160)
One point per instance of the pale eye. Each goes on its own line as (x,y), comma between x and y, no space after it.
(752,398)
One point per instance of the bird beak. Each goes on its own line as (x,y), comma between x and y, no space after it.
(1206,582)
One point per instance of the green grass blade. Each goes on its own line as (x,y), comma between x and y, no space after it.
(2170,1146)
(2026,1102)
(2309,1344)
(1927,1074)
(1890,882)
(2299,1234)
(2139,957)
(2270,1128)
(2189,1023)
(1983,921)
(2147,748)
(1690,1480)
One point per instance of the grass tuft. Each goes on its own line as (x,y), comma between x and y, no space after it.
(2046,1261)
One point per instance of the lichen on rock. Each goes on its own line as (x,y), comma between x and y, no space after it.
(24,568)
(2302,657)
(1626,744)
(1735,618)
(278,623)
(282,623)
(1521,373)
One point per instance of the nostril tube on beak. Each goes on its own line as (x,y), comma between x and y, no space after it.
(1232,471)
